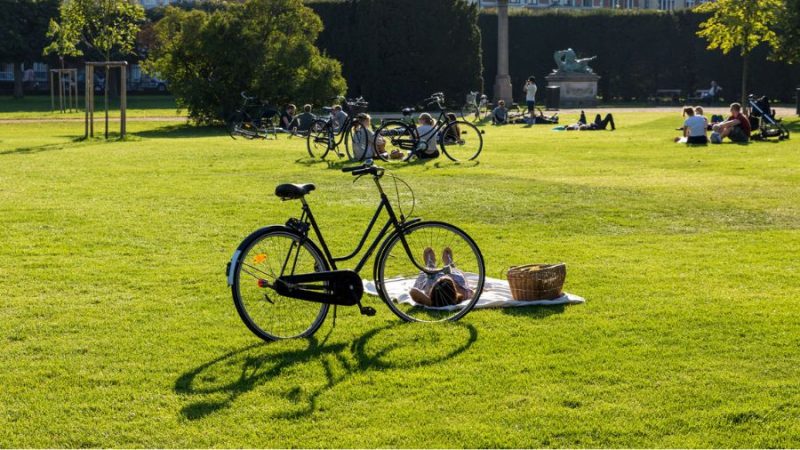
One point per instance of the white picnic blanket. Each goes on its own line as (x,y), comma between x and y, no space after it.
(496,294)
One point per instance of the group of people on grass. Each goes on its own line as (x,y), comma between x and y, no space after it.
(696,126)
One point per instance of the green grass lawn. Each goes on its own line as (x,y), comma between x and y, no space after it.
(40,107)
(118,329)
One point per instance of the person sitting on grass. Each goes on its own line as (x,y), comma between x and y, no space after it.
(302,123)
(364,139)
(698,111)
(598,124)
(287,117)
(694,128)
(736,128)
(428,137)
(453,134)
(440,289)
(500,114)
(339,117)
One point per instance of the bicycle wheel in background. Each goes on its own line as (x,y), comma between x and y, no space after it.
(470,113)
(319,140)
(267,314)
(395,141)
(461,141)
(234,124)
(395,273)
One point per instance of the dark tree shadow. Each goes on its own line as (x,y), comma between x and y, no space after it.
(73,142)
(184,130)
(240,371)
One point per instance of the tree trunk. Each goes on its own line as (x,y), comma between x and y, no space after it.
(18,91)
(744,80)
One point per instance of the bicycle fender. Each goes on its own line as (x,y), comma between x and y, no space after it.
(230,269)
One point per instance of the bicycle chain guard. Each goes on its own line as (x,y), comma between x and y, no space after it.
(335,287)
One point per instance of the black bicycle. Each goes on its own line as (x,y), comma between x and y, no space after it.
(400,139)
(327,135)
(253,119)
(283,282)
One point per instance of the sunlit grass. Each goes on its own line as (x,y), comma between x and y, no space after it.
(119,330)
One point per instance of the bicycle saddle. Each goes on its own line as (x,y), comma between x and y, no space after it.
(290,191)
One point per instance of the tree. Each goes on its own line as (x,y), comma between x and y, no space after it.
(22,33)
(789,33)
(103,28)
(742,24)
(265,47)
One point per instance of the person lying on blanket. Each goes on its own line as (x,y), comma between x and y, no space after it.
(441,288)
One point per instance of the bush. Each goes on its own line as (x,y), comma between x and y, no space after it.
(265,47)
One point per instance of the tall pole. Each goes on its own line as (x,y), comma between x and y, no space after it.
(502,82)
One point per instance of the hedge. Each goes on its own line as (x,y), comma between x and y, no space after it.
(637,53)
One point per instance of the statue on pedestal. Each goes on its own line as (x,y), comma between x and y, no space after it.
(568,62)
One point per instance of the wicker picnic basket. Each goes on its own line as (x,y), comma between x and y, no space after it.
(537,281)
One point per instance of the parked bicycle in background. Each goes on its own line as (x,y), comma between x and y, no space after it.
(326,135)
(402,140)
(475,110)
(253,119)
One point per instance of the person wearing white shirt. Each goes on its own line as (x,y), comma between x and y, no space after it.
(530,95)
(694,127)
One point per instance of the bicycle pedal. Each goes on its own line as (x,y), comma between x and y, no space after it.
(368,311)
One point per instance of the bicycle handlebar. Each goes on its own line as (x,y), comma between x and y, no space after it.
(364,169)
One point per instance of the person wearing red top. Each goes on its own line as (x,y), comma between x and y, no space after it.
(737,127)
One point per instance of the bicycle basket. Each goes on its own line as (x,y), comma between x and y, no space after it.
(355,108)
(537,281)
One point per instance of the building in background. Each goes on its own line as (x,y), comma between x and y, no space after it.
(663,5)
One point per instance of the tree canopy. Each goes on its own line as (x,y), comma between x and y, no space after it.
(742,25)
(265,47)
(101,27)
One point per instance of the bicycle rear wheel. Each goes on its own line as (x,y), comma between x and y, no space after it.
(395,141)
(271,316)
(319,140)
(396,273)
(461,141)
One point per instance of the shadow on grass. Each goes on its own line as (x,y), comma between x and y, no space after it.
(218,383)
(183,130)
(28,150)
(534,312)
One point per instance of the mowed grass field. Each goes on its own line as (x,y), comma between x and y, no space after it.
(118,328)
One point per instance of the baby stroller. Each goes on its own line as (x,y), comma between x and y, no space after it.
(762,117)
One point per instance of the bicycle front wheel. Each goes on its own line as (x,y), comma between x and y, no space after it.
(454,255)
(470,113)
(461,141)
(395,141)
(319,140)
(267,314)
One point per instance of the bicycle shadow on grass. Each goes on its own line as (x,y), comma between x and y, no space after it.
(316,367)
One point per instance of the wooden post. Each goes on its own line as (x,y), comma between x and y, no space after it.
(52,93)
(123,99)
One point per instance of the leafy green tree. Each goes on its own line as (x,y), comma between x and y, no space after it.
(789,33)
(742,25)
(96,28)
(265,47)
(23,24)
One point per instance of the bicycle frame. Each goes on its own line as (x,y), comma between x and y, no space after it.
(392,225)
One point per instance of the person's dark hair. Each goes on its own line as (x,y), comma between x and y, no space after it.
(290,106)
(443,292)
(736,107)
(532,79)
(688,111)
(307,108)
(451,116)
